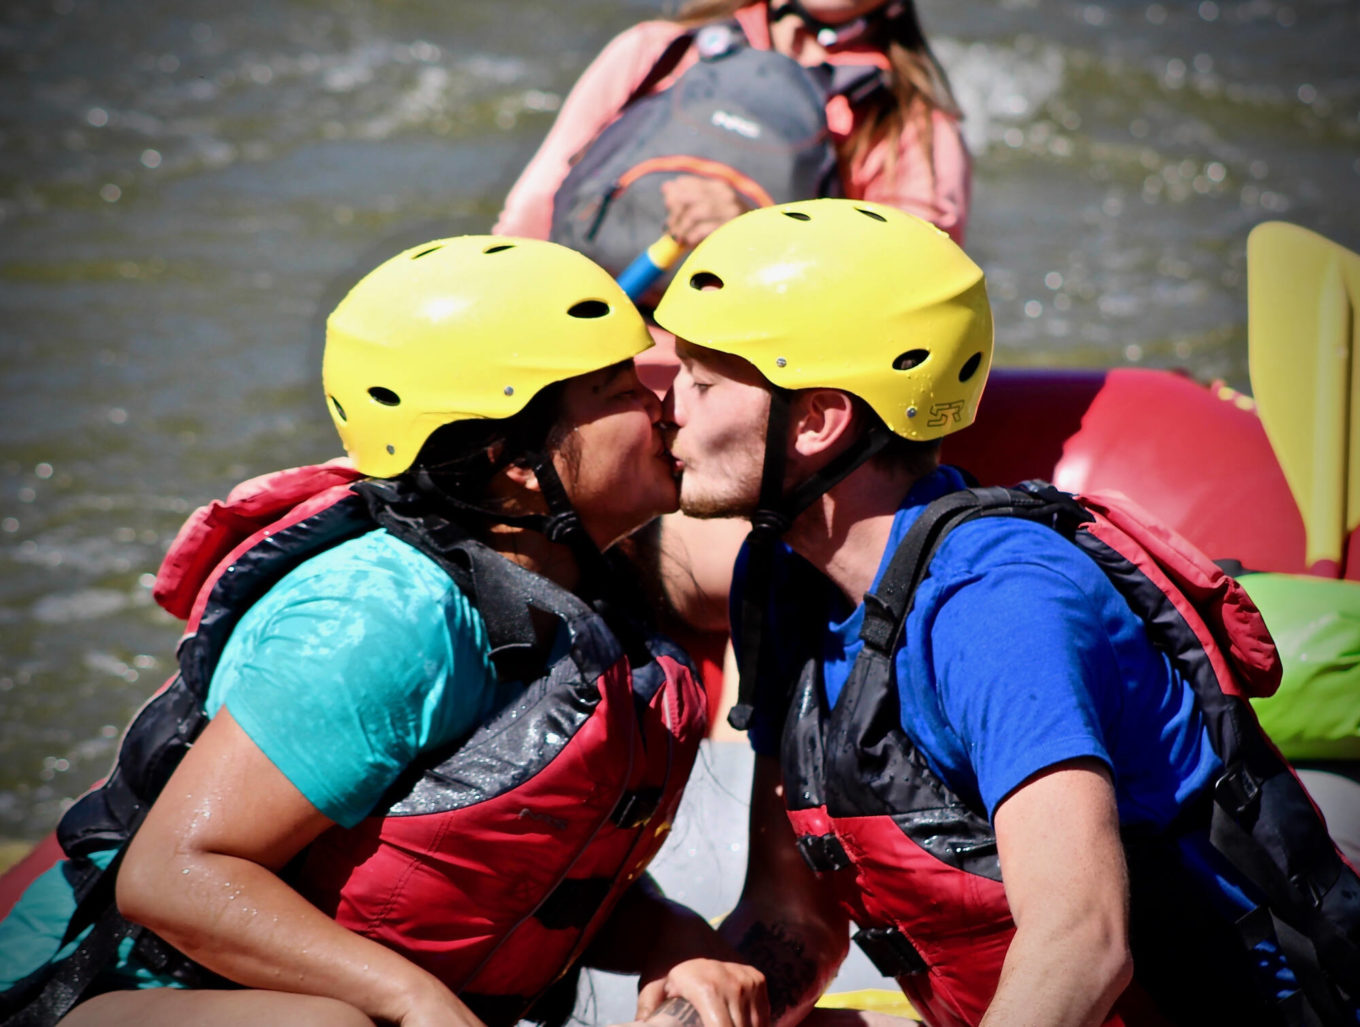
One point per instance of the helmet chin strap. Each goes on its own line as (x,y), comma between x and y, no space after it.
(774,515)
(561,524)
(600,583)
(833,37)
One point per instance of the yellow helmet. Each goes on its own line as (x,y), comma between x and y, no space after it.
(464,328)
(844,294)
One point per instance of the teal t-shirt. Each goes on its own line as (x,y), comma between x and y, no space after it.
(354,664)
(371,646)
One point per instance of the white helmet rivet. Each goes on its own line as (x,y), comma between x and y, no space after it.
(509,390)
(911,411)
(779,361)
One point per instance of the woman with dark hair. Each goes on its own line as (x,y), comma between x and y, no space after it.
(423,741)
(899,144)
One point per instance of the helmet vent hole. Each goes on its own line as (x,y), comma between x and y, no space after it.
(703,281)
(871,214)
(339,410)
(499,247)
(589,308)
(386,397)
(426,253)
(797,215)
(970,367)
(911,358)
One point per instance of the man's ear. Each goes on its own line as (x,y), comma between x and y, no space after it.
(821,418)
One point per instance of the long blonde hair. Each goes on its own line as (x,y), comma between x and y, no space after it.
(917,85)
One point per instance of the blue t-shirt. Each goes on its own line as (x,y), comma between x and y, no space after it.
(1017,655)
(350,667)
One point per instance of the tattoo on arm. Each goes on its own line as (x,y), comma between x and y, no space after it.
(789,972)
(681,1011)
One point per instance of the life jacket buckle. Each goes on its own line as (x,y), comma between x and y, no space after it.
(824,853)
(890,951)
(1237,790)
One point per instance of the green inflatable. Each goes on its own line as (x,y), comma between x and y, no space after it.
(1315,715)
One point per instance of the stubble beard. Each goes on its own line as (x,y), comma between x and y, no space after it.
(737,497)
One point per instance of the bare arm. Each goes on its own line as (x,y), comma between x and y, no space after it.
(1067,885)
(202,872)
(786,922)
(683,966)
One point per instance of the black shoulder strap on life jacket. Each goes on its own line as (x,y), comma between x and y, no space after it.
(1311,896)
(886,608)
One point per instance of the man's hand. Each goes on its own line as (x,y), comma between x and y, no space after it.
(713,992)
(786,923)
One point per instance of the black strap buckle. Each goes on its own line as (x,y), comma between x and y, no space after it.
(823,852)
(1237,790)
(890,951)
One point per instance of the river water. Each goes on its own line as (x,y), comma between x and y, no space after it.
(187,187)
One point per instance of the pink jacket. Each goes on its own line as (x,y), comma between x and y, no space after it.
(610,79)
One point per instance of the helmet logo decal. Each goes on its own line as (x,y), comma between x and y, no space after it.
(942,414)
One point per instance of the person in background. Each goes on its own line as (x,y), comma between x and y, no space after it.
(1032,779)
(901,146)
(441,740)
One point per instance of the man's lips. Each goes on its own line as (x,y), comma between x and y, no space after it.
(664,452)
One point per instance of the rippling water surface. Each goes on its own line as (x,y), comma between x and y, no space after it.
(185,188)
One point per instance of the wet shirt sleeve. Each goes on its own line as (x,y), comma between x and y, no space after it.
(351,667)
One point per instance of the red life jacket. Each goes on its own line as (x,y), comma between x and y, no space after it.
(493,864)
(917,869)
(500,862)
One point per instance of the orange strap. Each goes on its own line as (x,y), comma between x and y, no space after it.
(743,184)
